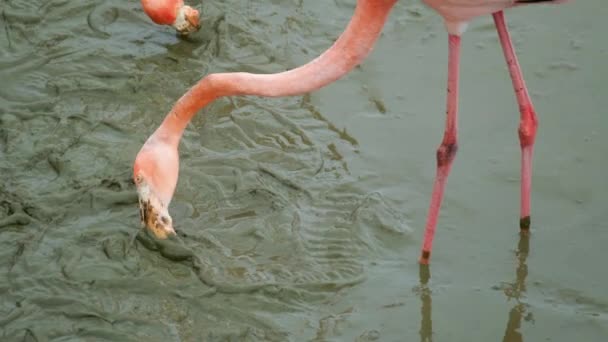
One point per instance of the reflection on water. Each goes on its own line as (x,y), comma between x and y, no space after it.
(517,291)
(514,291)
(426,322)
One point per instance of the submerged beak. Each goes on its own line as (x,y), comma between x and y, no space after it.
(153,212)
(187,20)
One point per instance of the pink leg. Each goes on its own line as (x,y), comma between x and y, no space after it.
(528,122)
(447,149)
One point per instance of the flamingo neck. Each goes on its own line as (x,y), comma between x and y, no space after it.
(348,51)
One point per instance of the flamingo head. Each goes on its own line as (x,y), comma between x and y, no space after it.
(184,19)
(155,174)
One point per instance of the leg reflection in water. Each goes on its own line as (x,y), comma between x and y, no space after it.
(426,323)
(516,291)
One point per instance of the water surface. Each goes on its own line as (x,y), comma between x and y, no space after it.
(300,218)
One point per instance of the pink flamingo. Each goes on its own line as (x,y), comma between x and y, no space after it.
(172,12)
(156,165)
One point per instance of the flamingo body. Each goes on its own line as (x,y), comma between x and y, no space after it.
(157,163)
(458,13)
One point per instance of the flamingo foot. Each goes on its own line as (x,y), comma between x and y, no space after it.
(524,225)
(425,258)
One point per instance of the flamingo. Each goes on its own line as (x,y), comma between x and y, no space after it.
(184,19)
(156,166)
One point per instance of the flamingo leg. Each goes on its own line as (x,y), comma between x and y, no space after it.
(447,150)
(528,121)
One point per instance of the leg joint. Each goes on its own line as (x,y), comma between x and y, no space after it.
(527,127)
(446,153)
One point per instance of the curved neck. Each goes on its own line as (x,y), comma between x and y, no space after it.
(347,52)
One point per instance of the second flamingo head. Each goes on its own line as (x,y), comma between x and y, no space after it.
(184,19)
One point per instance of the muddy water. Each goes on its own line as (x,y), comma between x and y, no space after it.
(300,218)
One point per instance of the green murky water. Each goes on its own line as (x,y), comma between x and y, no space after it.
(301,217)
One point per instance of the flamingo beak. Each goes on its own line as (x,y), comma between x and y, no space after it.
(187,20)
(192,17)
(153,212)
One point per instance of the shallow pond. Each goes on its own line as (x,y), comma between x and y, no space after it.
(300,218)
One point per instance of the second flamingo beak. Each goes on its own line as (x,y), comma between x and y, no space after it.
(187,20)
(153,212)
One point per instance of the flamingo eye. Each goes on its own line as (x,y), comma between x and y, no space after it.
(164,220)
